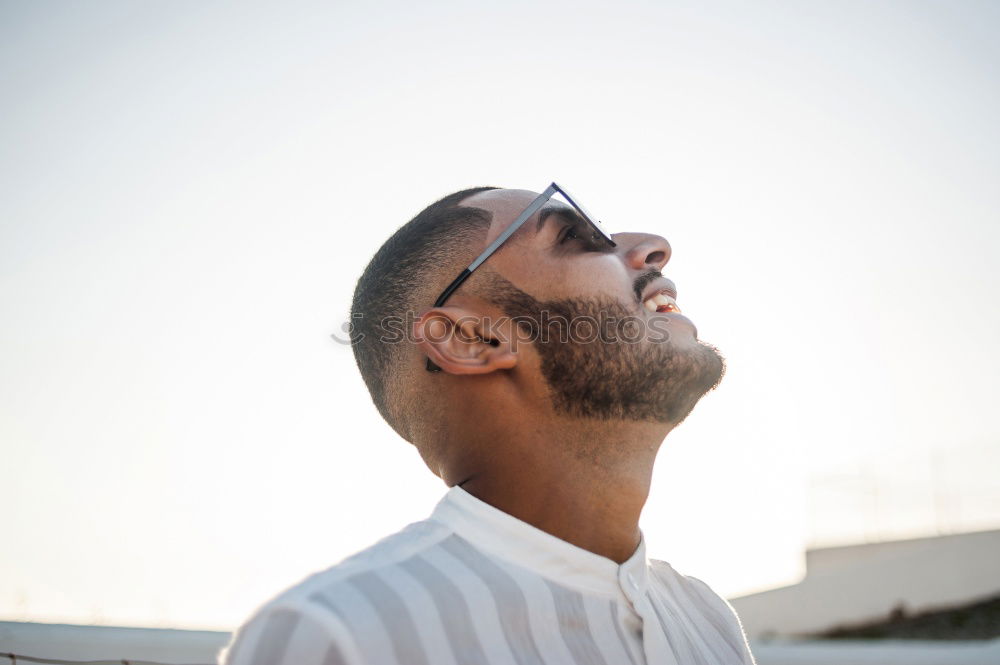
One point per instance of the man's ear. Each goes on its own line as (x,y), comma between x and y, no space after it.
(460,342)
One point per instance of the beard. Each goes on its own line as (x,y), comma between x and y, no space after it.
(612,374)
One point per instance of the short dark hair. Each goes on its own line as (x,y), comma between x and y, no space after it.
(403,270)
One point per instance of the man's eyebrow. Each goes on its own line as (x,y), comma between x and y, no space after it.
(564,211)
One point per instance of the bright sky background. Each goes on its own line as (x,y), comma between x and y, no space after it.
(189,190)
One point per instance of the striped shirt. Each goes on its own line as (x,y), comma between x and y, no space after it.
(473,585)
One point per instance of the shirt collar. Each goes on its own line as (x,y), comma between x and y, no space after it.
(494,531)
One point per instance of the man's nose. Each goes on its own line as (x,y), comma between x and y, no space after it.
(644,250)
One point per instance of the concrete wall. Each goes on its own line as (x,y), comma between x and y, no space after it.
(43,640)
(878,653)
(853,584)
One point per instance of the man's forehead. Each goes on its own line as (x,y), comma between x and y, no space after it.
(496,200)
(507,204)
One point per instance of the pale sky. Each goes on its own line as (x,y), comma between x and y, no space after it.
(189,190)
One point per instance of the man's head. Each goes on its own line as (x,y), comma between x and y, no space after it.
(555,327)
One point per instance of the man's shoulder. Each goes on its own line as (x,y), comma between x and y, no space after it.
(386,553)
(702,598)
(325,606)
(694,590)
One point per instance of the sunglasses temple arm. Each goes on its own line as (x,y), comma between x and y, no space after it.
(464,275)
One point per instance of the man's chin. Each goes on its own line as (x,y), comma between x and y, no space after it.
(706,367)
(687,369)
(716,364)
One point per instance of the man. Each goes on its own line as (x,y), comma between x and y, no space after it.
(543,365)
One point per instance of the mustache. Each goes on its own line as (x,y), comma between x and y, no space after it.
(642,280)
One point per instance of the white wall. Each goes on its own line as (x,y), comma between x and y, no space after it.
(879,653)
(848,585)
(67,642)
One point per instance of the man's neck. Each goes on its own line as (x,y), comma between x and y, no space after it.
(587,491)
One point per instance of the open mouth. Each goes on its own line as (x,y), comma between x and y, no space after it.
(661,302)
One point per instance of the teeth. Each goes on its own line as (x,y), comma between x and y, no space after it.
(661,302)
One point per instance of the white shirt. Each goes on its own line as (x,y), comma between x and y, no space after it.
(473,585)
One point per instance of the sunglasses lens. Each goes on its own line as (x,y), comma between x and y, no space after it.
(593,221)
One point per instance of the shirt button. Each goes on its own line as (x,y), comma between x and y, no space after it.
(631,581)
